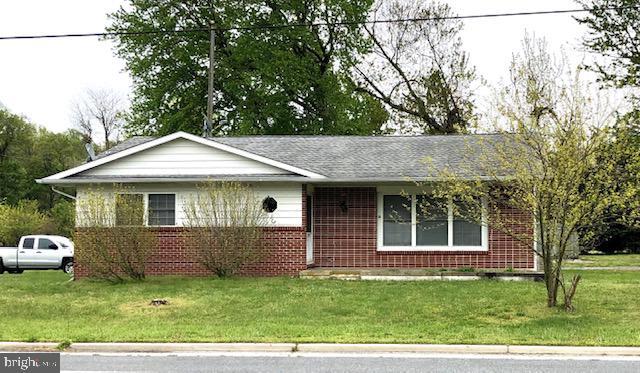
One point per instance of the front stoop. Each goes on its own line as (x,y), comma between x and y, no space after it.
(396,274)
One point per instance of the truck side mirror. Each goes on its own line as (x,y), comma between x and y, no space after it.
(53,247)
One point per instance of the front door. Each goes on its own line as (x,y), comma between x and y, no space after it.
(309,229)
(48,252)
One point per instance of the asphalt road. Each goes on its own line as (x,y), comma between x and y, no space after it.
(343,363)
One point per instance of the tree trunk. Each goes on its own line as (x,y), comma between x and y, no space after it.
(552,291)
(568,295)
(551,281)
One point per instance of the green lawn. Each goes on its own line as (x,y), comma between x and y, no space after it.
(616,260)
(44,306)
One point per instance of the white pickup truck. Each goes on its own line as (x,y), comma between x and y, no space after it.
(38,252)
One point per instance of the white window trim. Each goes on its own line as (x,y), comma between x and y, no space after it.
(380,226)
(145,205)
(146,210)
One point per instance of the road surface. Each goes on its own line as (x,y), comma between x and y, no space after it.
(320,362)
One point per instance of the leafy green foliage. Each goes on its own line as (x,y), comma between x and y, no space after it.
(561,165)
(225,221)
(112,242)
(21,219)
(63,215)
(614,34)
(619,230)
(270,81)
(28,153)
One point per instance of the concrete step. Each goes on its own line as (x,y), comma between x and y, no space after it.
(395,274)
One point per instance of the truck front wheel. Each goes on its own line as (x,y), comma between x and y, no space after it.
(1,267)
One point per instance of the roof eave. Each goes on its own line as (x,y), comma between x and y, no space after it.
(249,178)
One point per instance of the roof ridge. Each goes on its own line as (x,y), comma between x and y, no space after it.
(362,136)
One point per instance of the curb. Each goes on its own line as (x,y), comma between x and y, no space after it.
(180,347)
(27,346)
(391,348)
(321,348)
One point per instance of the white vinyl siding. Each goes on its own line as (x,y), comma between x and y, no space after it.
(182,157)
(288,196)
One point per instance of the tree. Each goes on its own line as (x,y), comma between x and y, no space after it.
(418,69)
(16,141)
(102,109)
(558,162)
(20,220)
(614,34)
(51,153)
(620,230)
(225,221)
(614,26)
(282,80)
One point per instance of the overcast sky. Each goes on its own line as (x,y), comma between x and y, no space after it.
(40,78)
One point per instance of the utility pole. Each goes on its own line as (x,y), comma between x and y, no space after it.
(208,125)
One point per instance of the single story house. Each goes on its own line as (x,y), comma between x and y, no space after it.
(333,194)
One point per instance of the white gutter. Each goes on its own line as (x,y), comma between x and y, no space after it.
(156,179)
(63,193)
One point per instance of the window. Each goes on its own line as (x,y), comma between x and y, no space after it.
(129,209)
(465,233)
(309,213)
(28,243)
(162,209)
(397,221)
(423,223)
(46,244)
(432,222)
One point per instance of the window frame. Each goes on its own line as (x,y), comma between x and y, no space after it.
(148,215)
(145,206)
(484,237)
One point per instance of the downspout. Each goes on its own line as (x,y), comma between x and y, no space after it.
(63,193)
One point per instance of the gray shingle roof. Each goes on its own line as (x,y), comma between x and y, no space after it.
(364,157)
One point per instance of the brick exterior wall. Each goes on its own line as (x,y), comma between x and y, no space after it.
(341,239)
(285,253)
(349,239)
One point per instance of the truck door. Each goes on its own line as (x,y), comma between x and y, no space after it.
(49,257)
(27,253)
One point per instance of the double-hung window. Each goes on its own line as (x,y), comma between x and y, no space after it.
(155,209)
(418,222)
(162,209)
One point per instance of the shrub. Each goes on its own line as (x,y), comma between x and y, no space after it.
(20,220)
(225,220)
(63,216)
(112,240)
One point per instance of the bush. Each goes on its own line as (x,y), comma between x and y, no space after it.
(63,216)
(226,222)
(20,220)
(112,241)
(619,238)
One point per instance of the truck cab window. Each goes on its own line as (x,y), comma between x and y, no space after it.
(46,244)
(28,243)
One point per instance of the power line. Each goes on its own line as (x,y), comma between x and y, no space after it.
(318,24)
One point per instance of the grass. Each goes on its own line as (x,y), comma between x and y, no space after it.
(600,260)
(45,306)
